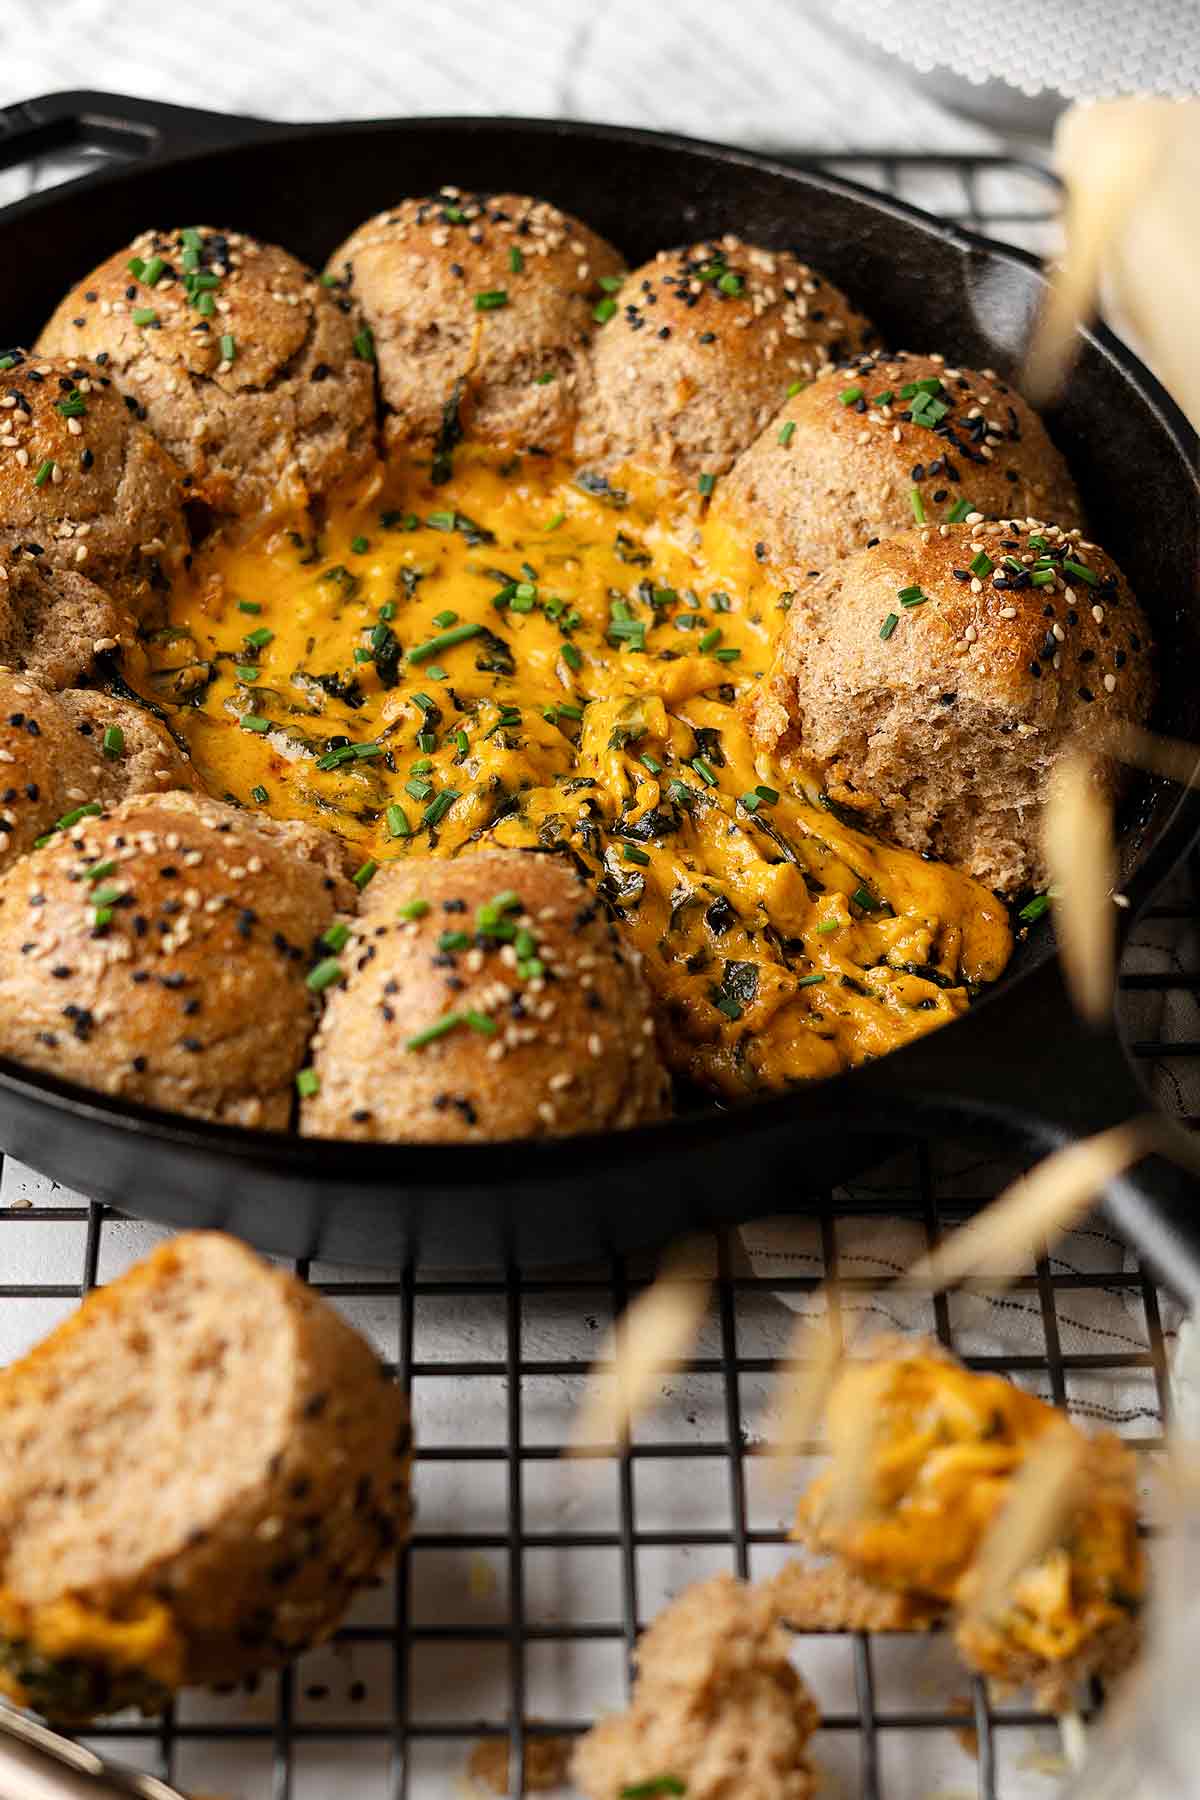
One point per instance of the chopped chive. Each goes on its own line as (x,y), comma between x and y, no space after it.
(849,395)
(260,637)
(424,702)
(711,639)
(981,564)
(828,926)
(435,672)
(793,388)
(427,740)
(437,809)
(98,871)
(228,347)
(862,896)
(633,855)
(604,309)
(728,1005)
(253,722)
(728,654)
(135,265)
(704,771)
(104,896)
(144,315)
(573,659)
(889,625)
(325,974)
(259,795)
(113,740)
(769,795)
(1042,577)
(553,524)
(730,283)
(462,742)
(44,471)
(809,980)
(397,822)
(480,1022)
(1082,570)
(308,1083)
(787,432)
(959,511)
(651,763)
(246,672)
(444,641)
(443,619)
(413,909)
(190,238)
(73,407)
(249,606)
(439,1028)
(360,545)
(611,283)
(546,375)
(706,484)
(884,398)
(490,299)
(362,876)
(516,261)
(102,916)
(205,305)
(337,937)
(1034,909)
(364,344)
(569,711)
(751,802)
(454,940)
(918,506)
(912,596)
(8,362)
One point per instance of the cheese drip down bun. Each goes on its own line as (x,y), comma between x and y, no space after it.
(486,996)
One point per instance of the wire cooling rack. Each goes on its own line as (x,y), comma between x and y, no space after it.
(511,1617)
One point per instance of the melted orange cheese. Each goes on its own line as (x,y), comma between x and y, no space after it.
(592,706)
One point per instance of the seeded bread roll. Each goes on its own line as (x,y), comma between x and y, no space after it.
(700,350)
(251,373)
(484,997)
(196,1470)
(495,292)
(935,687)
(841,462)
(160,952)
(55,757)
(53,622)
(718,1710)
(83,484)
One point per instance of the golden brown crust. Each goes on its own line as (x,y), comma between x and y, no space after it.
(417,270)
(570,1049)
(717,1705)
(701,348)
(833,1598)
(946,730)
(834,468)
(86,489)
(205,1433)
(184,986)
(53,758)
(288,417)
(54,623)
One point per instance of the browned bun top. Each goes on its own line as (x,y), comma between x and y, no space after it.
(937,679)
(83,484)
(250,372)
(701,348)
(160,951)
(549,1028)
(55,623)
(59,752)
(481,303)
(886,438)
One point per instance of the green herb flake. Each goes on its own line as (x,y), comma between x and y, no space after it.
(327,973)
(308,1083)
(889,625)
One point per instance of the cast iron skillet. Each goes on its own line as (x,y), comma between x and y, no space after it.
(1018,1063)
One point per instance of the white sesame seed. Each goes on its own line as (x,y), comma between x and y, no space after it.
(970,634)
(1110,684)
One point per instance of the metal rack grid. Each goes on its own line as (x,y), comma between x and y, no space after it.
(392,1708)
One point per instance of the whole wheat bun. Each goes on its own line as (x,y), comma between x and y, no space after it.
(86,488)
(944,727)
(55,623)
(569,1049)
(835,468)
(177,976)
(196,1470)
(716,1704)
(701,349)
(289,416)
(418,270)
(53,758)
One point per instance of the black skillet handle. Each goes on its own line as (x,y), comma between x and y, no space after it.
(118,123)
(1041,1076)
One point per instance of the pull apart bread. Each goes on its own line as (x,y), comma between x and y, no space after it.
(196,1470)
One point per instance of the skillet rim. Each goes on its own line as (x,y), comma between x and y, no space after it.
(350,1162)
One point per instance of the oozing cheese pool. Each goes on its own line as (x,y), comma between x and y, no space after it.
(511,656)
